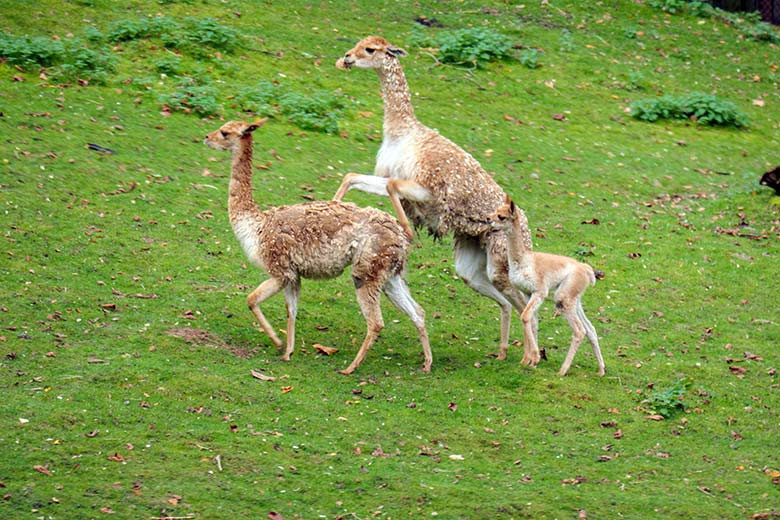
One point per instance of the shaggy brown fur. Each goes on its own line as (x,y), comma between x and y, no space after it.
(438,184)
(316,240)
(536,274)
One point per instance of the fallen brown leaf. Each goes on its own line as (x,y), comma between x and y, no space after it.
(43,469)
(261,376)
(328,351)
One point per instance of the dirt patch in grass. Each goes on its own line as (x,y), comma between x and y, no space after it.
(204,338)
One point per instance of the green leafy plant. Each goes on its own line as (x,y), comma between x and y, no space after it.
(530,58)
(207,32)
(702,108)
(170,65)
(28,51)
(318,111)
(636,81)
(191,34)
(197,99)
(566,41)
(64,59)
(474,46)
(667,401)
(262,98)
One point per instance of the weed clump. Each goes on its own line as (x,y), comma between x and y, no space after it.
(191,35)
(668,401)
(67,60)
(701,108)
(318,112)
(474,46)
(197,99)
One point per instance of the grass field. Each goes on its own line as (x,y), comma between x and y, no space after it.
(126,348)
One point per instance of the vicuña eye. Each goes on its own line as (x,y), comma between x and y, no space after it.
(224,134)
(370,51)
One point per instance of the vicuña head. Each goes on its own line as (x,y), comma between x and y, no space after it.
(229,135)
(511,219)
(369,53)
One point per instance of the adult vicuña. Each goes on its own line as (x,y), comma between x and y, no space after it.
(438,184)
(316,240)
(536,274)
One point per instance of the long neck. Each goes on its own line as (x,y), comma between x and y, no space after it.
(241,204)
(519,240)
(399,113)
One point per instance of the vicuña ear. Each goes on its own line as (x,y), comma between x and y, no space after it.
(512,207)
(397,51)
(507,200)
(254,126)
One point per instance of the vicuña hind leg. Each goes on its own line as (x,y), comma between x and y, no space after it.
(266,289)
(398,293)
(578,333)
(590,332)
(368,299)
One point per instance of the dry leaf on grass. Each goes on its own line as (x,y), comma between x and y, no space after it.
(328,351)
(261,376)
(43,469)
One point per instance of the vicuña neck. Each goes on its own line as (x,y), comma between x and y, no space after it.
(399,113)
(241,203)
(519,240)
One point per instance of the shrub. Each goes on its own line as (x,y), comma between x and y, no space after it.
(207,32)
(170,65)
(84,63)
(65,59)
(475,45)
(197,99)
(261,99)
(701,108)
(318,112)
(28,51)
(192,34)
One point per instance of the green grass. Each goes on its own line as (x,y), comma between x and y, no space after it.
(104,254)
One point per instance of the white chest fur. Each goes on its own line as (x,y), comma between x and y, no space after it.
(247,234)
(396,157)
